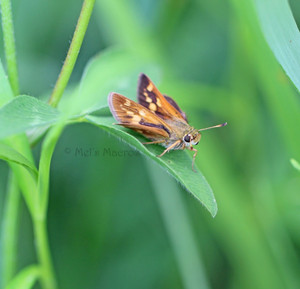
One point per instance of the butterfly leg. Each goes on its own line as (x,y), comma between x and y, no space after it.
(153,142)
(194,157)
(169,148)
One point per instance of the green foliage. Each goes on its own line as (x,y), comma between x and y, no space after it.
(178,227)
(115,69)
(24,113)
(178,164)
(282,34)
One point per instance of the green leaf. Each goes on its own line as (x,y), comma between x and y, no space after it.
(25,279)
(9,154)
(177,163)
(24,113)
(111,70)
(282,35)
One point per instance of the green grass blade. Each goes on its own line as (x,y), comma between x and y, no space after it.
(282,35)
(280,98)
(178,226)
(177,163)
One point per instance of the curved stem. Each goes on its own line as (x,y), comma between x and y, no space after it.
(10,227)
(66,71)
(43,252)
(39,219)
(9,45)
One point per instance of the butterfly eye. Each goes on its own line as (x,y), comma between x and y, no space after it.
(187,138)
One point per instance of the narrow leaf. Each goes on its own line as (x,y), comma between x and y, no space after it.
(9,154)
(177,163)
(282,35)
(174,212)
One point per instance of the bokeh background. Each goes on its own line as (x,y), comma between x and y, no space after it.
(118,222)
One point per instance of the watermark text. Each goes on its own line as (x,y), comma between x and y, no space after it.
(90,152)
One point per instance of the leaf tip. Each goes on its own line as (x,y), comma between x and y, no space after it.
(213,209)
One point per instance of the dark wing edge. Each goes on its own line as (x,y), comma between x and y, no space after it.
(176,106)
(163,107)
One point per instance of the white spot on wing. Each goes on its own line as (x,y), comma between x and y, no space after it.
(136,118)
(152,106)
(150,86)
(158,102)
(142,112)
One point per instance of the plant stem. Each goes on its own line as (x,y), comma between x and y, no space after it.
(66,71)
(39,219)
(43,251)
(179,229)
(9,233)
(44,168)
(9,45)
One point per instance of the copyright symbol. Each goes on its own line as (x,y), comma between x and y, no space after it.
(67,150)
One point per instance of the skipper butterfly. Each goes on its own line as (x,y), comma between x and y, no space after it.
(157,117)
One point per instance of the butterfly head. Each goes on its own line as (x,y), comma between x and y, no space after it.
(192,138)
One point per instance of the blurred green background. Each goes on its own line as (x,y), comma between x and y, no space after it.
(108,227)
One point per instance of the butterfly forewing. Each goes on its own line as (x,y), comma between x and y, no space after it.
(133,115)
(150,97)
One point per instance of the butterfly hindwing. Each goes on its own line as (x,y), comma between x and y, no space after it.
(176,106)
(150,97)
(133,115)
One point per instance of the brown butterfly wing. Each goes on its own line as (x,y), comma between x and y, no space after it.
(176,106)
(150,97)
(135,116)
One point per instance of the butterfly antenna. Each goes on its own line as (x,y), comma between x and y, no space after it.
(219,125)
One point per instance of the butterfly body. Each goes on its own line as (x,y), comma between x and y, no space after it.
(156,116)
